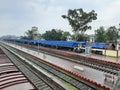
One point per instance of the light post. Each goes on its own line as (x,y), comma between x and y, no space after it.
(119,37)
(95,35)
(28,45)
(14,41)
(38,43)
(118,41)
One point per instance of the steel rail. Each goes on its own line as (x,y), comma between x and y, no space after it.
(33,76)
(58,73)
(107,67)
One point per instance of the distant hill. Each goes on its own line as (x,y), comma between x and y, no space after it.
(9,37)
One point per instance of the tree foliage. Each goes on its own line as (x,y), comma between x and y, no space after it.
(112,34)
(65,35)
(78,19)
(53,34)
(100,35)
(82,37)
(31,34)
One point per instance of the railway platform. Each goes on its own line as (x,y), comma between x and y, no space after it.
(92,74)
(102,57)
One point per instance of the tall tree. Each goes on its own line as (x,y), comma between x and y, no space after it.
(53,34)
(83,37)
(65,35)
(112,34)
(100,35)
(29,34)
(78,19)
(32,34)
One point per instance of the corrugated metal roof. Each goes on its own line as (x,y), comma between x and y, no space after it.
(51,42)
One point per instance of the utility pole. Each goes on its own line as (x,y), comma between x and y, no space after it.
(38,46)
(118,42)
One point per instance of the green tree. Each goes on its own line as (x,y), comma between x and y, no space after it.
(65,35)
(32,34)
(23,37)
(82,37)
(112,34)
(100,35)
(78,19)
(54,34)
(29,34)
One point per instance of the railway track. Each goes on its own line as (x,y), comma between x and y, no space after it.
(34,77)
(105,66)
(10,75)
(78,84)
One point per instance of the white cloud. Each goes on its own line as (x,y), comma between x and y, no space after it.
(109,14)
(19,16)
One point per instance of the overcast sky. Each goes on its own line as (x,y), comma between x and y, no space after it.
(17,16)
